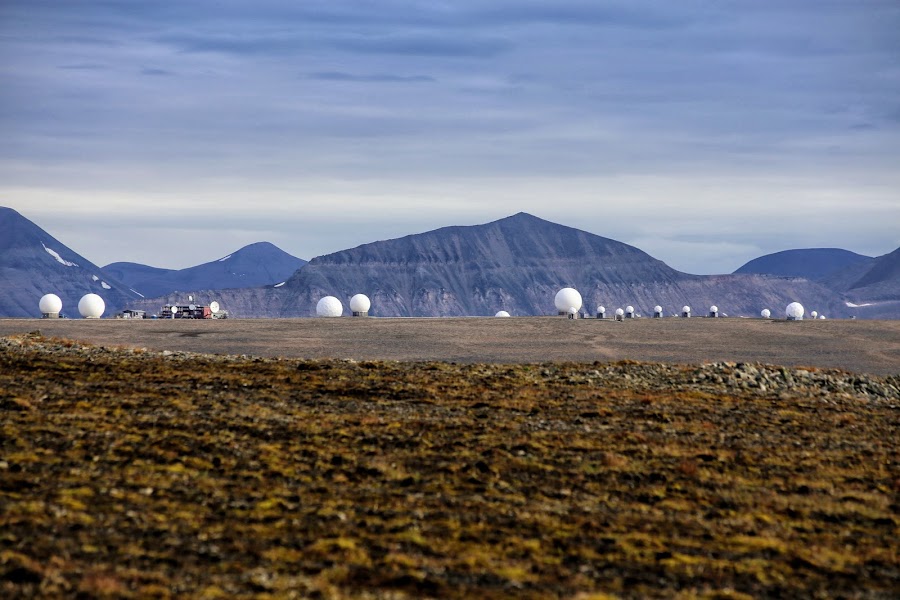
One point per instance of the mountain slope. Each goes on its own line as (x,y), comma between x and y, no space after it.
(517,264)
(34,263)
(254,265)
(811,263)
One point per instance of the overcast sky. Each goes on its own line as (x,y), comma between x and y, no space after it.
(704,132)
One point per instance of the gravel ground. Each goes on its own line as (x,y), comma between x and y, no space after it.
(857,346)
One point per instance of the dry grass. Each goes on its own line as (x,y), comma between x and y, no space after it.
(135,475)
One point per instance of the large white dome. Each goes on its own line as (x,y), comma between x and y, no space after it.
(629,310)
(713,308)
(685,309)
(50,303)
(567,298)
(601,309)
(657,309)
(329,306)
(91,306)
(502,313)
(360,303)
(794,310)
(766,313)
(620,312)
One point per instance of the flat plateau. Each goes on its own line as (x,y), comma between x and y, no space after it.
(853,345)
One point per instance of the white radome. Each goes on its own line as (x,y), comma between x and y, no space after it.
(91,306)
(601,309)
(713,308)
(360,303)
(685,309)
(620,312)
(329,306)
(766,313)
(214,306)
(567,298)
(657,308)
(629,310)
(794,310)
(502,313)
(50,303)
(821,317)
(814,314)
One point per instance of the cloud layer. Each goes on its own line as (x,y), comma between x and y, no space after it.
(705,133)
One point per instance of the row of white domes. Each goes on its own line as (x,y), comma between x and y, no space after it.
(91,306)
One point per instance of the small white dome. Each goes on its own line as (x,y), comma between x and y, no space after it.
(657,309)
(821,317)
(567,298)
(502,313)
(766,313)
(601,309)
(360,303)
(814,314)
(91,306)
(620,312)
(50,303)
(794,310)
(713,308)
(629,310)
(686,309)
(329,306)
(573,310)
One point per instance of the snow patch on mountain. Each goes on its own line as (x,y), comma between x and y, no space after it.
(58,258)
(105,285)
(225,258)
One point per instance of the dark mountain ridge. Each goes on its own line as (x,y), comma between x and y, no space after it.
(517,264)
(254,265)
(811,263)
(34,263)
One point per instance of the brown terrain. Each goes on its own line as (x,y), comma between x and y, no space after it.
(475,458)
(852,345)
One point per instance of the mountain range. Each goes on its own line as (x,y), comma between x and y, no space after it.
(33,263)
(812,263)
(515,264)
(255,265)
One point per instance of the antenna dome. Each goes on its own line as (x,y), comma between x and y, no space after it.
(502,313)
(794,311)
(91,306)
(567,298)
(685,309)
(766,313)
(50,303)
(360,303)
(329,306)
(620,312)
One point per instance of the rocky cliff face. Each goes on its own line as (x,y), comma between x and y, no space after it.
(34,263)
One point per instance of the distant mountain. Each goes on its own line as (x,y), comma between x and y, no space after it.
(252,266)
(516,264)
(873,292)
(811,263)
(34,263)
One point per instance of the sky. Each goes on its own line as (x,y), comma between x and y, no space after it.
(706,133)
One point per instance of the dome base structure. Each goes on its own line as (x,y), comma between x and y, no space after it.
(360,313)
